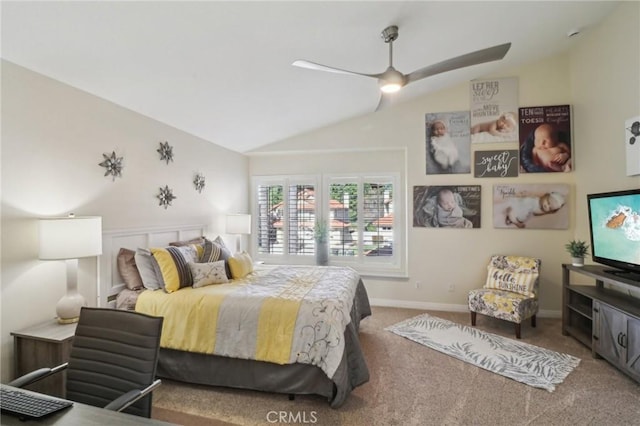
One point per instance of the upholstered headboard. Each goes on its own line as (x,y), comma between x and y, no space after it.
(110,283)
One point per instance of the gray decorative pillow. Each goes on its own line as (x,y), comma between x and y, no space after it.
(214,251)
(208,273)
(220,241)
(149,270)
(199,240)
(211,252)
(128,269)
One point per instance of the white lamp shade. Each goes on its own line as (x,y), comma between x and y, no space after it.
(70,237)
(238,224)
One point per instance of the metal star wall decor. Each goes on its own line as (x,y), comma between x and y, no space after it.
(198,181)
(113,165)
(165,196)
(166,152)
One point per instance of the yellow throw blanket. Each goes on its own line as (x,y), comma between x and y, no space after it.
(281,314)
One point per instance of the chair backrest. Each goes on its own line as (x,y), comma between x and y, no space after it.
(113,351)
(518,266)
(516,263)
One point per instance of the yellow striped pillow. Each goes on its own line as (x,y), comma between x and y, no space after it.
(517,282)
(173,262)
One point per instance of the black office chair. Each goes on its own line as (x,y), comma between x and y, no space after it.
(114,354)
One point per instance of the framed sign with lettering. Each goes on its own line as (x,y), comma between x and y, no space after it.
(501,163)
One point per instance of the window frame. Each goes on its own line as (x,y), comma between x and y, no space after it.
(377,266)
(286,181)
(387,266)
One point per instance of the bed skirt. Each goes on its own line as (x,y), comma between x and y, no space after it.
(216,370)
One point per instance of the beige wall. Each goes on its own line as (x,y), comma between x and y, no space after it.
(605,87)
(603,90)
(53,137)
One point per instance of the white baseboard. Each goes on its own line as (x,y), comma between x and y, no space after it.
(446,307)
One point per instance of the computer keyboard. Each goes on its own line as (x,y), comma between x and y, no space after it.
(23,404)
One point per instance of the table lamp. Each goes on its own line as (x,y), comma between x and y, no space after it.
(238,224)
(70,238)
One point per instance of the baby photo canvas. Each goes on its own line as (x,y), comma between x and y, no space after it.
(450,206)
(494,110)
(545,139)
(632,145)
(531,206)
(448,145)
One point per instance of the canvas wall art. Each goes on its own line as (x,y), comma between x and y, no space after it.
(450,206)
(632,145)
(501,163)
(448,145)
(545,139)
(531,206)
(494,110)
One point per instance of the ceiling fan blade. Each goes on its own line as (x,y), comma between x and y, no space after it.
(386,100)
(474,58)
(319,67)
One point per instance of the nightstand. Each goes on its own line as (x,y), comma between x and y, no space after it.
(43,345)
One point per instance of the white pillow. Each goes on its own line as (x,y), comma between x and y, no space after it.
(149,269)
(208,273)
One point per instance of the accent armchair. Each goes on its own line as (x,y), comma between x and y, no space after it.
(510,292)
(113,360)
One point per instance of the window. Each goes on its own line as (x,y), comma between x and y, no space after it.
(364,215)
(286,212)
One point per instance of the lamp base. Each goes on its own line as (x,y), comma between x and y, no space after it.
(68,320)
(68,308)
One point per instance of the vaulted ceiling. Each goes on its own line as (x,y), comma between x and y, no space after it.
(222,70)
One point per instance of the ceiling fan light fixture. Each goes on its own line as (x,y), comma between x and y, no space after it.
(391,81)
(388,87)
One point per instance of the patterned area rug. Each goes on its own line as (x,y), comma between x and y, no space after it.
(525,363)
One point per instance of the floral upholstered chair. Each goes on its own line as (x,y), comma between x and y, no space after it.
(510,292)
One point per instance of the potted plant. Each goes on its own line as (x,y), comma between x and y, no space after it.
(321,237)
(578,250)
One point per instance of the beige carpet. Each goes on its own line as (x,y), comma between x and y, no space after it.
(414,385)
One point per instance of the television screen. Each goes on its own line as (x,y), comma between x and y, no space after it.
(614,221)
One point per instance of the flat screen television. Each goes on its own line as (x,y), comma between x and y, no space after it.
(614,224)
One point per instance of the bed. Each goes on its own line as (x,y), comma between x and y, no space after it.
(284,329)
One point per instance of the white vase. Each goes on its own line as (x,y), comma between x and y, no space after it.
(577,261)
(322,253)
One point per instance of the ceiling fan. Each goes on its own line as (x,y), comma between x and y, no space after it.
(392,80)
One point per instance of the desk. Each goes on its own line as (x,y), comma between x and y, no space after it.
(82,414)
(43,345)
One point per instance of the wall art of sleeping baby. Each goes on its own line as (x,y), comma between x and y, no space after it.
(448,206)
(531,206)
(494,110)
(545,139)
(448,144)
